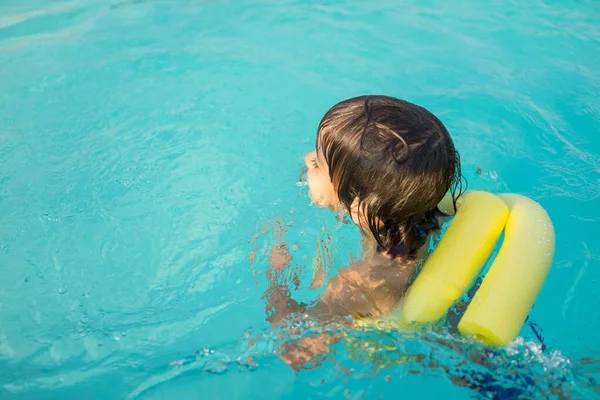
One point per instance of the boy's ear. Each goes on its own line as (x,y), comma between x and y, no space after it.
(357,212)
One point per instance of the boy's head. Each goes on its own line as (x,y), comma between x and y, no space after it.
(389,163)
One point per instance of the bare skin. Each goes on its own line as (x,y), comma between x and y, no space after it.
(368,288)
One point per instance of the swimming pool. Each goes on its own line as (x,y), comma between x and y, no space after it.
(144,144)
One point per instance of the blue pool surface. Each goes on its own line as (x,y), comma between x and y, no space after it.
(146,147)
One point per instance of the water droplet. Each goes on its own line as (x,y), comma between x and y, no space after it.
(27,279)
(62,289)
(217,368)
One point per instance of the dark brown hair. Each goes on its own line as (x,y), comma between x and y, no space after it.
(398,159)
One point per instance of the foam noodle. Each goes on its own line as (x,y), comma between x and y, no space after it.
(459,257)
(500,306)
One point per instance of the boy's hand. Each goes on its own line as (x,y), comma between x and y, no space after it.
(280,304)
(308,352)
(280,256)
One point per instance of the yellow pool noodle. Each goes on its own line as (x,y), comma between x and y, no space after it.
(458,258)
(502,302)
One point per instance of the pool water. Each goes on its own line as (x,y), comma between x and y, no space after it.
(148,148)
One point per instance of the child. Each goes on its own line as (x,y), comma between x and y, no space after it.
(387,163)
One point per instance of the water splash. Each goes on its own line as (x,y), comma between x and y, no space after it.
(521,369)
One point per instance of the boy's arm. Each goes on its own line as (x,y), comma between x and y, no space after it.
(361,290)
(351,293)
(340,299)
(279,301)
(310,351)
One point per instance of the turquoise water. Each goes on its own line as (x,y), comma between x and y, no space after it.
(144,144)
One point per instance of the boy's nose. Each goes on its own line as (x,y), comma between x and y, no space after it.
(309,157)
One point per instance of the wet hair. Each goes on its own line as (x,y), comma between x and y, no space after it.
(399,160)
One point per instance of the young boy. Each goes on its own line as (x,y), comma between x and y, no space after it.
(388,163)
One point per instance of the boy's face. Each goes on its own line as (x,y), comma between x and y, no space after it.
(321,188)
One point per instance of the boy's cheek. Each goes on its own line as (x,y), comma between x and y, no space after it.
(312,187)
(315,192)
(313,196)
(316,198)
